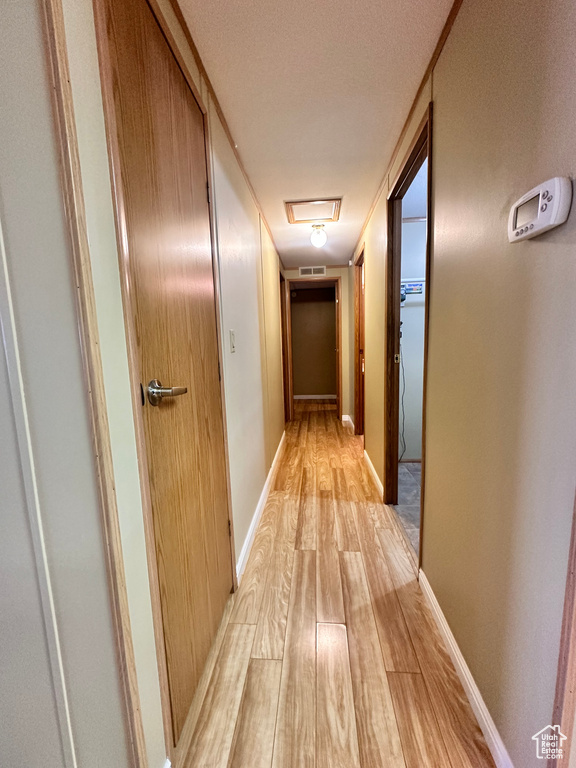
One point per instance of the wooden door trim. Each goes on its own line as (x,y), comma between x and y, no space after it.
(403,178)
(429,256)
(565,698)
(286,350)
(92,367)
(337,282)
(359,405)
(339,348)
(421,145)
(392,369)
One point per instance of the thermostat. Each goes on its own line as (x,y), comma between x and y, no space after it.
(543,208)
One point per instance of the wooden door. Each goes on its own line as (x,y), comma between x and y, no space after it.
(359,365)
(156,133)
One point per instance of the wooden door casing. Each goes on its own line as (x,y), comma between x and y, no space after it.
(359,352)
(420,149)
(157,140)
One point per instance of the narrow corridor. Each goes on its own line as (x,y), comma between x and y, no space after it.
(328,655)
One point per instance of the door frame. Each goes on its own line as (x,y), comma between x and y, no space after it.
(420,148)
(175,752)
(287,340)
(286,348)
(359,332)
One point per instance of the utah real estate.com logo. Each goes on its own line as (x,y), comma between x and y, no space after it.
(549,743)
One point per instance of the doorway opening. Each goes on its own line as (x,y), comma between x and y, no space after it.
(407,329)
(359,345)
(311,334)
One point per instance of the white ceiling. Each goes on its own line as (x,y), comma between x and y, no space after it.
(315,94)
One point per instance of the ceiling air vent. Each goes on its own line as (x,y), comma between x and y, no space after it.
(312,271)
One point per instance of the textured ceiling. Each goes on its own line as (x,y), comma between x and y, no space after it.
(315,94)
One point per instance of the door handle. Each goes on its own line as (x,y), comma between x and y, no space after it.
(156,392)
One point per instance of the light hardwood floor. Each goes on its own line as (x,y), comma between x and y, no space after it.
(331,657)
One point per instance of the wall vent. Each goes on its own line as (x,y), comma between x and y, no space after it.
(312,271)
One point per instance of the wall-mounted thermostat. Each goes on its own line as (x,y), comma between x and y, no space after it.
(543,208)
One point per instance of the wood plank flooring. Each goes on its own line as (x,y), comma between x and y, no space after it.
(331,657)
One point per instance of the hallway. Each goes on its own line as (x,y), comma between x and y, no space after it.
(328,655)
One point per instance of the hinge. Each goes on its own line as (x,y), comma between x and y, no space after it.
(229,528)
(219,374)
(208,191)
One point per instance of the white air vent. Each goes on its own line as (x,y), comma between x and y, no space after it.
(312,271)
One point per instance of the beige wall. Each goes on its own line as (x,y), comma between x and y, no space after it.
(271,344)
(314,361)
(501,425)
(347,298)
(502,418)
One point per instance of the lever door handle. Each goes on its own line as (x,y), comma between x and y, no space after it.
(156,392)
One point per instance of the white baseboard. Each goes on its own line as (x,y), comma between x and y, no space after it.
(247,546)
(345,417)
(374,474)
(493,738)
(315,397)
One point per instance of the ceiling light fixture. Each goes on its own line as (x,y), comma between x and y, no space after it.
(318,237)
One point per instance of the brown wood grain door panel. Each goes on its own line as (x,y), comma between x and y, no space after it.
(164,225)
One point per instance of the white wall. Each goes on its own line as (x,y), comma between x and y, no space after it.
(26,673)
(59,594)
(413,269)
(238,227)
